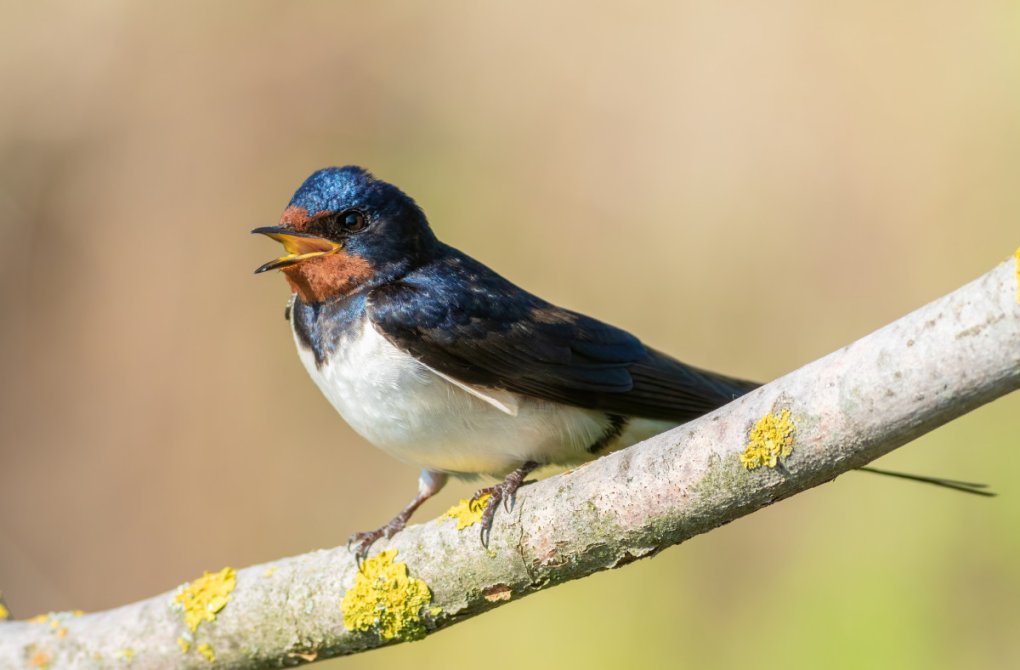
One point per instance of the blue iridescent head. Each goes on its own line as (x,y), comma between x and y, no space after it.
(343,230)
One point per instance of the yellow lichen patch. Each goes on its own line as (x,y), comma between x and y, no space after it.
(386,599)
(269,571)
(206,596)
(183,644)
(4,612)
(60,632)
(39,618)
(771,438)
(125,654)
(78,612)
(206,651)
(467,512)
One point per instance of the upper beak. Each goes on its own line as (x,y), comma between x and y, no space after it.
(299,246)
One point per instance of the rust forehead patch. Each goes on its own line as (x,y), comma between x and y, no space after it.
(295,218)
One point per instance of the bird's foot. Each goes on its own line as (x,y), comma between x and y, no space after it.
(428,485)
(361,542)
(503,492)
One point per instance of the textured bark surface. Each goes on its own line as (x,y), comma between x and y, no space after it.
(848,408)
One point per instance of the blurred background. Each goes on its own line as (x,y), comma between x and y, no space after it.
(746,185)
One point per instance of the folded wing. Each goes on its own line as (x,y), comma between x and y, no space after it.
(466,322)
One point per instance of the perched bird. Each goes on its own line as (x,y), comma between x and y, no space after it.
(441,362)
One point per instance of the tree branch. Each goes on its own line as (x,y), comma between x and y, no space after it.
(836,414)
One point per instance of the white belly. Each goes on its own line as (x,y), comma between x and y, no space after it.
(410,411)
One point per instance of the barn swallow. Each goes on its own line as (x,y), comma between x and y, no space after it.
(441,362)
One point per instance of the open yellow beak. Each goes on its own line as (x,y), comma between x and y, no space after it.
(299,246)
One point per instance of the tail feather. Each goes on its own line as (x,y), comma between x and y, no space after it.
(954,484)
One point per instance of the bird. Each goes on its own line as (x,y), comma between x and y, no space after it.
(441,362)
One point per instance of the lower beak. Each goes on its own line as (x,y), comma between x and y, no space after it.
(299,246)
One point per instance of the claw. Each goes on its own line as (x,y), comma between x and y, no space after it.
(506,492)
(364,540)
(484,535)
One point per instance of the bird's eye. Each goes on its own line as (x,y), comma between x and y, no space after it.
(352,221)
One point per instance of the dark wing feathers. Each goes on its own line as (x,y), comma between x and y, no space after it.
(463,320)
(663,382)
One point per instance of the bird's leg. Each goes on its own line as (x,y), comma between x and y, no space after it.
(504,491)
(429,484)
